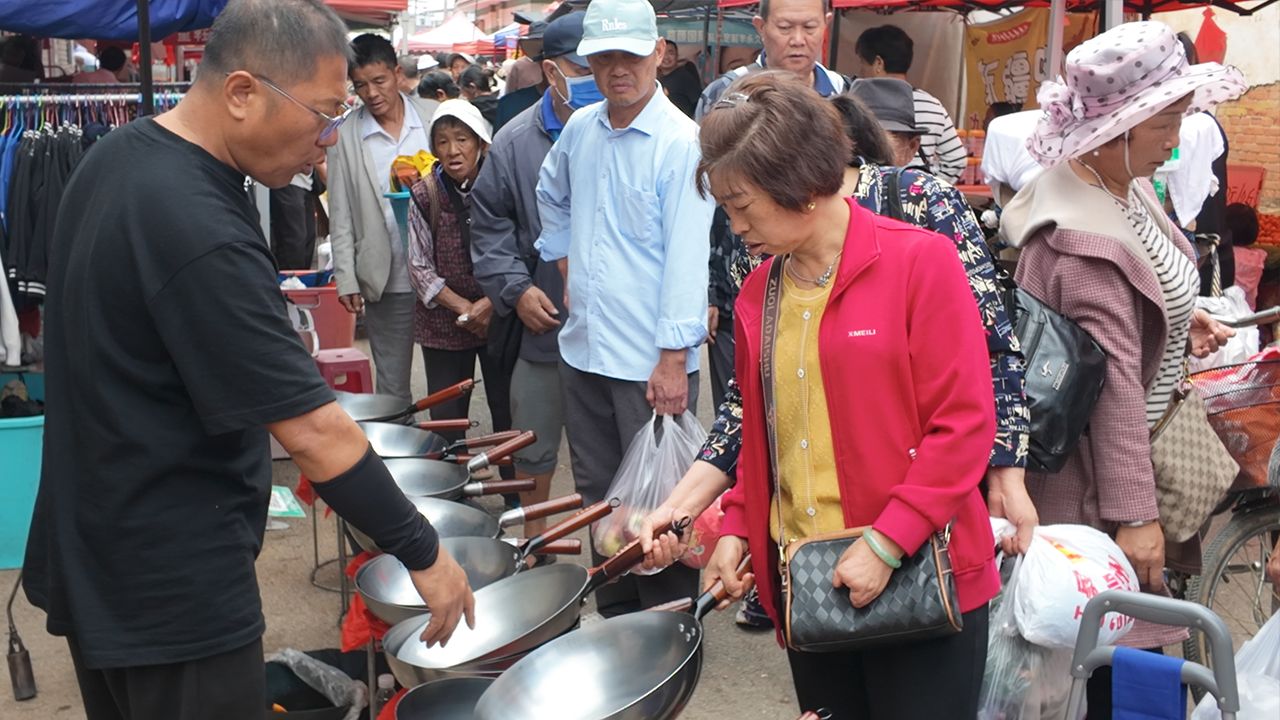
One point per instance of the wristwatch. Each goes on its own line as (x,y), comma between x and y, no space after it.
(1137,523)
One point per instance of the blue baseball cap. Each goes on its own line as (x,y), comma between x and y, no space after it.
(628,26)
(561,38)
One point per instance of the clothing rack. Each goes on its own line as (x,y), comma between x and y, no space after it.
(85,98)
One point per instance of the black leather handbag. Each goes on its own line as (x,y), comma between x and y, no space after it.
(918,603)
(1064,375)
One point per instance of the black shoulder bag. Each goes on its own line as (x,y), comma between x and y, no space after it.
(918,603)
(1065,366)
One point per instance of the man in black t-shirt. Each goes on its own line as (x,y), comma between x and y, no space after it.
(168,360)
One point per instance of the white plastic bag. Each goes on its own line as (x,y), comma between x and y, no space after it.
(1065,566)
(1022,681)
(659,455)
(1243,344)
(1257,675)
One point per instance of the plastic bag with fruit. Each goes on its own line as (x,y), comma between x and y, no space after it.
(659,455)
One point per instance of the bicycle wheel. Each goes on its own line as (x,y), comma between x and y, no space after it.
(1233,582)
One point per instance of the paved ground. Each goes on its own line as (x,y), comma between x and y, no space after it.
(744,676)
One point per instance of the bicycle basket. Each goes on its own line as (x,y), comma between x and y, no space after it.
(1243,402)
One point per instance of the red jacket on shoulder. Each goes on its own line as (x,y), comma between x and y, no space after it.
(908,385)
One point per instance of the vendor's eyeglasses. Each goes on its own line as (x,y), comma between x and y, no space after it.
(331,122)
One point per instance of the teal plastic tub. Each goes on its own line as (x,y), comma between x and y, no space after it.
(400,206)
(21,440)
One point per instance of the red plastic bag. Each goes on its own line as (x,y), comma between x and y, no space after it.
(703,537)
(360,626)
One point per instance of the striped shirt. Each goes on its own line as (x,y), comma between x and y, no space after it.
(1180,283)
(943,154)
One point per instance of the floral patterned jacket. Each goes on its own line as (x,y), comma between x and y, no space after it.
(930,203)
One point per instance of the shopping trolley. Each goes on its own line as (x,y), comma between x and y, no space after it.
(1088,656)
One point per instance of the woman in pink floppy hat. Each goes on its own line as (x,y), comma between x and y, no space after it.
(1097,247)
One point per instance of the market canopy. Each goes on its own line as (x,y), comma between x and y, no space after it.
(378,13)
(456,30)
(1143,7)
(105,19)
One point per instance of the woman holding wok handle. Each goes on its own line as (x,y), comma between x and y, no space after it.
(876,371)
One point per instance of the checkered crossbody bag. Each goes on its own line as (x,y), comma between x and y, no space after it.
(918,603)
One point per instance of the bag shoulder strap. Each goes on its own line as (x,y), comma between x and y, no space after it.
(768,335)
(891,203)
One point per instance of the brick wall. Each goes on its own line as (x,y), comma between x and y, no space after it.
(1253,129)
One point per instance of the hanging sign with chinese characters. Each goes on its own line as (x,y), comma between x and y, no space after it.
(1006,60)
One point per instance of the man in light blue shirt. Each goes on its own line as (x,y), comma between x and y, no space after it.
(622,218)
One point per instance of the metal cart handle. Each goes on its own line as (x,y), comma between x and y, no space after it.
(1221,681)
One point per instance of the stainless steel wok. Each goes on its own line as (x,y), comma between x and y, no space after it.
(393,440)
(459,519)
(388,589)
(389,592)
(410,676)
(523,611)
(382,408)
(448,699)
(641,666)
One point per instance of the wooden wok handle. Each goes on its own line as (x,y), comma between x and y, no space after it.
(480,441)
(717,593)
(464,459)
(498,486)
(629,556)
(450,393)
(573,523)
(567,546)
(681,605)
(484,459)
(458,425)
(537,511)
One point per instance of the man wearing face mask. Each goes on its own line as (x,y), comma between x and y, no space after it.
(622,218)
(504,226)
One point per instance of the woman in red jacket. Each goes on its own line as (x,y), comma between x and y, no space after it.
(884,406)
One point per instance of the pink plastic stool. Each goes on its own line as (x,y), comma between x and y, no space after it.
(346,369)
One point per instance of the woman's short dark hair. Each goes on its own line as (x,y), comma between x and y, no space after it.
(768,116)
(435,81)
(475,77)
(867,137)
(1242,221)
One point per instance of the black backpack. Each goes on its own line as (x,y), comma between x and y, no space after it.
(1065,366)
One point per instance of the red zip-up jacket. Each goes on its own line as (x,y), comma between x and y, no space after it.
(908,385)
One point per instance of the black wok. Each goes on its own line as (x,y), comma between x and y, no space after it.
(641,666)
(525,610)
(384,408)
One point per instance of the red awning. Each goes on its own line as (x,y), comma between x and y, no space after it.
(371,12)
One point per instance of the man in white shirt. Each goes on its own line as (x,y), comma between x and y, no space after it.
(1006,163)
(368,252)
(621,215)
(887,51)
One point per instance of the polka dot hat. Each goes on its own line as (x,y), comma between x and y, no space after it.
(1116,81)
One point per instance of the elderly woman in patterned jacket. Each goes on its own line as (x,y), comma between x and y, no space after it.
(451,322)
(1096,247)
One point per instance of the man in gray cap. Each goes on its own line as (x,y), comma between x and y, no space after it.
(621,216)
(891,101)
(504,226)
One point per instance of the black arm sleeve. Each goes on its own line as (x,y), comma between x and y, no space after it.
(367,497)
